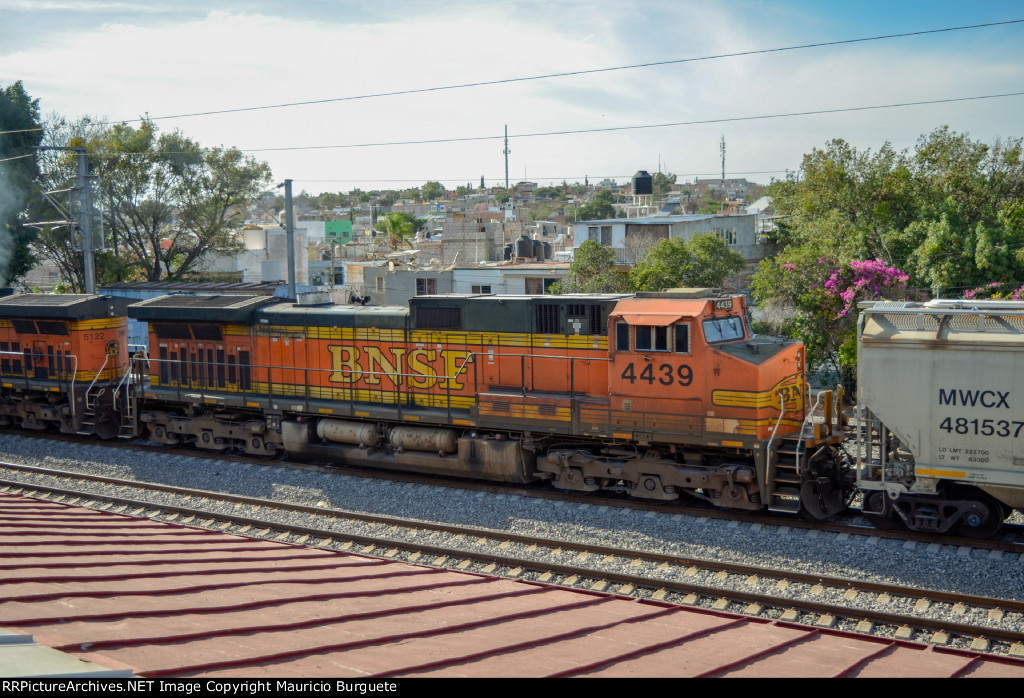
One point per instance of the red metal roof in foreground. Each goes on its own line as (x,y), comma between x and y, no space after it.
(175,601)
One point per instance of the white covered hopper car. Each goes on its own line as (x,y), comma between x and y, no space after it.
(941,401)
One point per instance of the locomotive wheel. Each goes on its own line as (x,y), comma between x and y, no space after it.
(820,499)
(874,505)
(984,521)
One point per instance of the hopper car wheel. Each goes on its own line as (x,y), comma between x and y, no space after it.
(984,521)
(874,504)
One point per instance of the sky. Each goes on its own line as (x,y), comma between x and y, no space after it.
(120,61)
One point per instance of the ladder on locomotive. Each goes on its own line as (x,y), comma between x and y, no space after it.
(120,399)
(784,475)
(124,394)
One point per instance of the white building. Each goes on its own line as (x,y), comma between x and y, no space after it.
(632,237)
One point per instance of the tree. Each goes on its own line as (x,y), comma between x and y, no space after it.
(432,190)
(166,201)
(713,261)
(19,117)
(815,299)
(703,261)
(331,200)
(211,198)
(944,213)
(662,184)
(598,209)
(949,216)
(398,227)
(593,271)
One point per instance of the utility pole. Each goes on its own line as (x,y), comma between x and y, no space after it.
(84,216)
(289,228)
(506,151)
(88,251)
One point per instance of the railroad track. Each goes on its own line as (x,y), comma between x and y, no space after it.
(1011,538)
(955,619)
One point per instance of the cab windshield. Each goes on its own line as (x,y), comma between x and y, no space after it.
(723,329)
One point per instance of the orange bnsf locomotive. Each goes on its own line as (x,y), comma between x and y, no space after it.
(654,394)
(64,362)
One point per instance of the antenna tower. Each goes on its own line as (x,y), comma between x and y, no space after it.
(722,148)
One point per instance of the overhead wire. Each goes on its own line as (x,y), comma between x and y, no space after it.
(594,71)
(574,73)
(605,129)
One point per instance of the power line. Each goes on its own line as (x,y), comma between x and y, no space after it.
(553,178)
(573,73)
(22,130)
(609,129)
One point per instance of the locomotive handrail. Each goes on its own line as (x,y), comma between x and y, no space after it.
(205,386)
(807,416)
(74,374)
(117,390)
(782,413)
(347,371)
(95,378)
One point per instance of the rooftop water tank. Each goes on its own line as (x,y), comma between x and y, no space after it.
(643,183)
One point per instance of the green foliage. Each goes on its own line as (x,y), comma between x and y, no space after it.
(599,209)
(950,214)
(331,200)
(815,300)
(710,206)
(166,201)
(794,303)
(432,190)
(704,260)
(944,213)
(399,227)
(662,184)
(558,192)
(18,113)
(593,271)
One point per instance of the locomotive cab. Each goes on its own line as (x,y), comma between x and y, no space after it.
(691,349)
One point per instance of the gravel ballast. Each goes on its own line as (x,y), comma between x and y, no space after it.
(957,569)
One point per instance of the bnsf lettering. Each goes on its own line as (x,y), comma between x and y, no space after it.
(790,393)
(373,366)
(973,398)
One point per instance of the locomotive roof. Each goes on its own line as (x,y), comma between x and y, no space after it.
(544,314)
(457,312)
(62,305)
(199,308)
(380,316)
(664,309)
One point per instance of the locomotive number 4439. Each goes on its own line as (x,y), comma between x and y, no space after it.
(664,374)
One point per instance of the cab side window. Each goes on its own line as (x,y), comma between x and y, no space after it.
(651,338)
(621,336)
(682,332)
